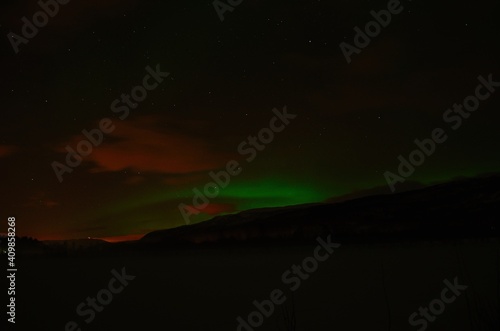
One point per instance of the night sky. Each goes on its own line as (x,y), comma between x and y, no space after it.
(225,79)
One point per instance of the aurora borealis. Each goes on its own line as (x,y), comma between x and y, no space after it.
(225,79)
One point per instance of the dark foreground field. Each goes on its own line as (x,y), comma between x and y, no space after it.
(360,287)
